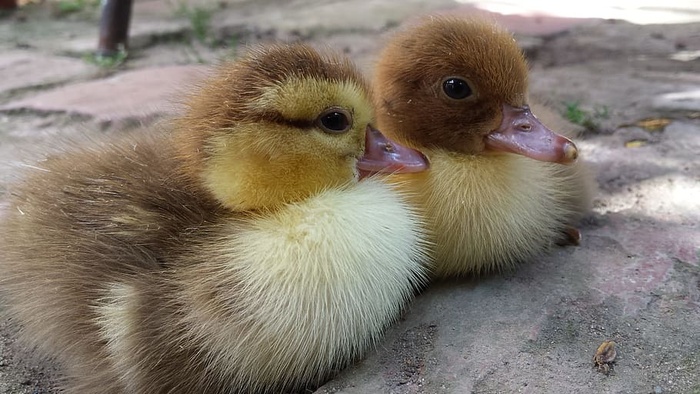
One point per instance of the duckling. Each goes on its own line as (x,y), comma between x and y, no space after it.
(232,250)
(502,187)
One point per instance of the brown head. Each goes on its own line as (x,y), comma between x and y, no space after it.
(461,85)
(279,125)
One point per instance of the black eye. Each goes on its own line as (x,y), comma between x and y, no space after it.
(456,88)
(334,120)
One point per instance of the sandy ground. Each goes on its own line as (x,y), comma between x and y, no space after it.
(635,279)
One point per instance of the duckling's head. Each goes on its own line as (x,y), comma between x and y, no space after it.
(461,85)
(281,124)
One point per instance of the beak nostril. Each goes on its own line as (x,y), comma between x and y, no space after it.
(525,127)
(389,148)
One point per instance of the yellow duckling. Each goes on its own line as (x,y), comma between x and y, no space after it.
(237,254)
(497,192)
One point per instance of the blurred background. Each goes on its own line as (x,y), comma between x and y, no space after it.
(625,74)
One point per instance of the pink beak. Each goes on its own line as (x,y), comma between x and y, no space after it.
(383,155)
(520,132)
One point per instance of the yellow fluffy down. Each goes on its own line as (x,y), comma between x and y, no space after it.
(284,298)
(489,212)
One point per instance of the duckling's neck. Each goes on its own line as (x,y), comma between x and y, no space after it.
(499,172)
(496,182)
(262,183)
(269,186)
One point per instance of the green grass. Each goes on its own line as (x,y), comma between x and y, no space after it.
(107,62)
(73,6)
(200,20)
(588,119)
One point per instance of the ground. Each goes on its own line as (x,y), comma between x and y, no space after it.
(635,278)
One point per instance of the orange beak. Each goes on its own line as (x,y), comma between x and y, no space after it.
(383,155)
(521,133)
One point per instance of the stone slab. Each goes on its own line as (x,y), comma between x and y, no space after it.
(540,24)
(638,12)
(686,100)
(132,94)
(26,70)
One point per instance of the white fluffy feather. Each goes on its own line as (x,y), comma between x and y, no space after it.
(300,291)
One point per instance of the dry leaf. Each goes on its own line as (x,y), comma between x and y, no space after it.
(604,356)
(653,124)
(636,143)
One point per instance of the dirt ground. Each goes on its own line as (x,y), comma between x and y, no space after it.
(635,279)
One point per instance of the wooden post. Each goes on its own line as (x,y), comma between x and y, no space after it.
(8,4)
(114,27)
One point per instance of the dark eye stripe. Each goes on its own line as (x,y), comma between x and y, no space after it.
(305,124)
(300,123)
(277,118)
